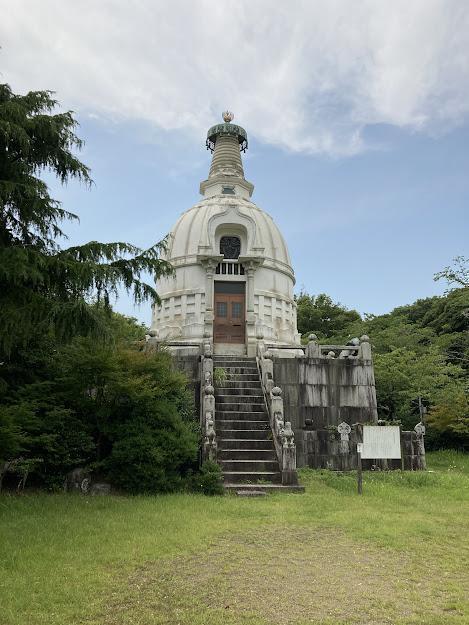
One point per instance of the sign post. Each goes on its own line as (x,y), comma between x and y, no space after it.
(379,443)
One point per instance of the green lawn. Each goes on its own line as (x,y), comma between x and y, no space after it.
(397,555)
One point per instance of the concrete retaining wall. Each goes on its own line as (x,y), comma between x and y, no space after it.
(326,391)
(321,449)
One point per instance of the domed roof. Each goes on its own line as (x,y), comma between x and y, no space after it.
(198,230)
(226,210)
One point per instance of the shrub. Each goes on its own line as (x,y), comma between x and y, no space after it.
(208,480)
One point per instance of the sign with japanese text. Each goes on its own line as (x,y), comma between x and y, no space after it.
(380,442)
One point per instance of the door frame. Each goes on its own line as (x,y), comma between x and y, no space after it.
(230,288)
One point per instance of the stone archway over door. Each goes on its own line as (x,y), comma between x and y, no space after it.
(229,324)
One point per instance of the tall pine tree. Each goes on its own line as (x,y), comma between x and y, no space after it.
(44,288)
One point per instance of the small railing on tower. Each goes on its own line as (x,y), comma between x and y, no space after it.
(230,268)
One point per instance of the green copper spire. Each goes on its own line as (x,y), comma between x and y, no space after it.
(226,142)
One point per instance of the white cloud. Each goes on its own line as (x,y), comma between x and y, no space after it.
(306,75)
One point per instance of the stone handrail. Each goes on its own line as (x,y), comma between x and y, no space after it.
(355,349)
(283,435)
(207,407)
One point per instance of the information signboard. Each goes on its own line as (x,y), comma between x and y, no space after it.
(381,442)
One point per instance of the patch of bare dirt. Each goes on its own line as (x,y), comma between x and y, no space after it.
(283,577)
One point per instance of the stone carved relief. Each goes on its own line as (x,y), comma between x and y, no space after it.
(344,430)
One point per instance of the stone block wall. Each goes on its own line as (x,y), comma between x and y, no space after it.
(322,449)
(326,392)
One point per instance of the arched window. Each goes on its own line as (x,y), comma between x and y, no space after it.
(230,247)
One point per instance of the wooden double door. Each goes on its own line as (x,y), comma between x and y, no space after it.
(230,312)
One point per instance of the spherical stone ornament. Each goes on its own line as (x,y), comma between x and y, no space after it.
(228,116)
(364,339)
(209,390)
(313,337)
(277,391)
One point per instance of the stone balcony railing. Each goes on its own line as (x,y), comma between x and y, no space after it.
(283,435)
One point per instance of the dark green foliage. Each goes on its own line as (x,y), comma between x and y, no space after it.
(419,350)
(44,288)
(319,314)
(208,480)
(68,401)
(110,406)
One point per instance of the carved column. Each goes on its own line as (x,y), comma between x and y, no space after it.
(208,319)
(250,288)
(250,265)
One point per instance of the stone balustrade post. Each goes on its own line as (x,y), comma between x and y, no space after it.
(364,351)
(260,345)
(267,368)
(289,475)
(420,431)
(209,400)
(210,442)
(312,348)
(207,370)
(277,403)
(208,427)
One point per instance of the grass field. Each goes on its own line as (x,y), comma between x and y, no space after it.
(397,555)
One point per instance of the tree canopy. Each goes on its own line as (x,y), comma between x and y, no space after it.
(44,287)
(419,350)
(319,314)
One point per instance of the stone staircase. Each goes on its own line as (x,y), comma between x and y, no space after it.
(246,450)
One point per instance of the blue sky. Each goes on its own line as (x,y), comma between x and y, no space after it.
(358,124)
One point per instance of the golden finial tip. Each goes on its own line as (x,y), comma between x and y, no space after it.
(227,116)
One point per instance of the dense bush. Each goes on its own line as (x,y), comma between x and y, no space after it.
(208,480)
(112,407)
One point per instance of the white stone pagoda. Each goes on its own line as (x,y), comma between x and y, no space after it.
(233,280)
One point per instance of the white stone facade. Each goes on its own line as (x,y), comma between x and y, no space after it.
(186,314)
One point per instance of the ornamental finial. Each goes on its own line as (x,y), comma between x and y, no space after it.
(228,116)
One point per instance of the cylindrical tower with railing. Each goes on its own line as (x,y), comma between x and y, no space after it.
(233,280)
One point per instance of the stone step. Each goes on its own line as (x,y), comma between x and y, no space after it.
(243,489)
(243,444)
(247,454)
(239,398)
(240,388)
(217,359)
(239,406)
(236,362)
(231,371)
(252,466)
(238,415)
(236,477)
(242,377)
(264,434)
(241,424)
(240,383)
